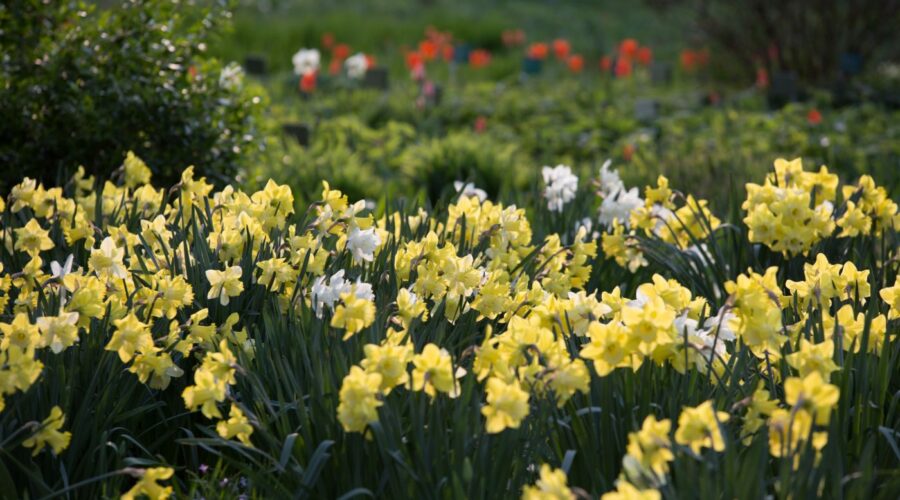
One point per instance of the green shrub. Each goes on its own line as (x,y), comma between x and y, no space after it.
(82,86)
(437,163)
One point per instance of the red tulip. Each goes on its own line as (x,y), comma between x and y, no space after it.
(814,117)
(605,64)
(575,63)
(688,59)
(561,49)
(644,56)
(308,82)
(623,68)
(537,50)
(428,49)
(413,60)
(628,48)
(341,51)
(479,58)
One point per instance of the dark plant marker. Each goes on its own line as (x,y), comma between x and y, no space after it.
(851,63)
(646,110)
(461,53)
(299,131)
(376,78)
(784,89)
(531,66)
(255,65)
(661,73)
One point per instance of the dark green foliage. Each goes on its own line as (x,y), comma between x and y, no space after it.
(82,86)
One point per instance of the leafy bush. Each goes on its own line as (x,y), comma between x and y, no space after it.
(83,86)
(434,165)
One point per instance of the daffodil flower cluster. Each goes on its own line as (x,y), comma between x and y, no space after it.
(171,283)
(794,209)
(663,214)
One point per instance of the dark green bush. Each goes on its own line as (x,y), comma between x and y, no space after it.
(434,165)
(82,86)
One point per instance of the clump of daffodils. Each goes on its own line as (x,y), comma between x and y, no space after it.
(560,186)
(169,283)
(661,214)
(792,209)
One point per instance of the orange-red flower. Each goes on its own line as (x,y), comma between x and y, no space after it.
(814,117)
(628,48)
(334,67)
(605,64)
(327,40)
(341,51)
(447,52)
(479,58)
(688,59)
(575,63)
(538,50)
(413,60)
(561,49)
(623,67)
(428,49)
(644,56)
(308,82)
(512,38)
(627,152)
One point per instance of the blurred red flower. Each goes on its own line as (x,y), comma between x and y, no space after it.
(623,67)
(628,48)
(537,50)
(814,117)
(479,58)
(308,82)
(480,124)
(512,38)
(561,48)
(327,40)
(428,49)
(762,78)
(688,60)
(341,51)
(627,152)
(605,64)
(413,60)
(575,63)
(644,56)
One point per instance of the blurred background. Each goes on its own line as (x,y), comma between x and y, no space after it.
(403,97)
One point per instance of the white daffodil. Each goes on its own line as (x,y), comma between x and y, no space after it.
(560,185)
